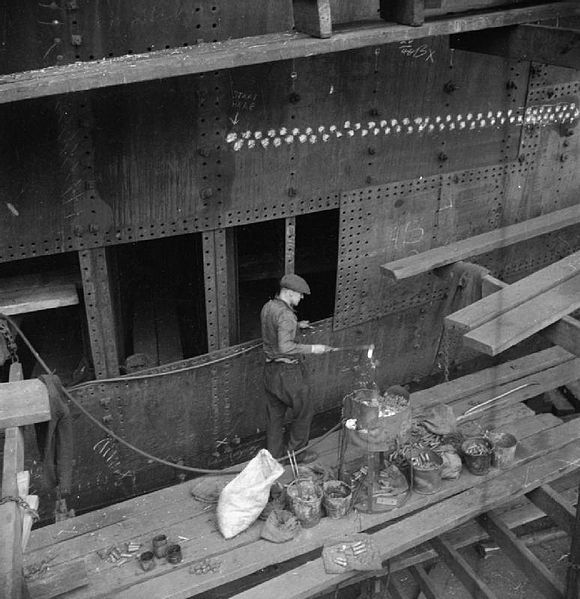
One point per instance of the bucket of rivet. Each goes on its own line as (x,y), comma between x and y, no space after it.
(426,475)
(504,449)
(147,561)
(174,554)
(305,501)
(160,546)
(336,498)
(477,453)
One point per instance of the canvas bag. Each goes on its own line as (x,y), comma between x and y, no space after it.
(243,499)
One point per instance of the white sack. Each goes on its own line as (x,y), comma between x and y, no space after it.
(243,499)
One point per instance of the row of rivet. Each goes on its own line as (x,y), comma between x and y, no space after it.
(537,116)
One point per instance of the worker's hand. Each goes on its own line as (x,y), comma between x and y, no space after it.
(320,349)
(305,324)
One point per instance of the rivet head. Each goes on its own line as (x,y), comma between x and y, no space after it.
(294,98)
(371,151)
(442,156)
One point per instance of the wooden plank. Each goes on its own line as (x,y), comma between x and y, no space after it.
(464,572)
(491,378)
(406,12)
(565,332)
(234,556)
(512,296)
(522,557)
(304,581)
(560,405)
(560,511)
(57,580)
(37,298)
(555,46)
(313,17)
(480,244)
(427,586)
(518,324)
(177,62)
(23,402)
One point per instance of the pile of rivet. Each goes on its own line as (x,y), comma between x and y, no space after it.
(205,566)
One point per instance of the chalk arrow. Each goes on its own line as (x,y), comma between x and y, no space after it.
(235,120)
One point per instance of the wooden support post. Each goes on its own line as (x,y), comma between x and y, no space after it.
(406,12)
(521,556)
(11,573)
(572,576)
(313,17)
(220,276)
(99,310)
(459,566)
(290,245)
(547,45)
(554,506)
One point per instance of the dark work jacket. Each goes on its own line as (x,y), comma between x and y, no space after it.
(279,326)
(55,438)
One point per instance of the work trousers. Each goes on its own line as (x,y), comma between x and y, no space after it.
(287,387)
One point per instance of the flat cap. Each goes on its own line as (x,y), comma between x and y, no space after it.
(295,283)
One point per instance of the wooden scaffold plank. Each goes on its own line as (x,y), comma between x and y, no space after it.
(176,62)
(511,296)
(480,244)
(532,316)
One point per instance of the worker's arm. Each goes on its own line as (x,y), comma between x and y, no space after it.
(287,332)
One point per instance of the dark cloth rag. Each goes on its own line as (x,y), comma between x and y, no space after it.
(55,437)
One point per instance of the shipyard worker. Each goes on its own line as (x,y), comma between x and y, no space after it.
(285,374)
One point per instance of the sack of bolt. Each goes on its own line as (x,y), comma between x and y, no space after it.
(356,552)
(280,526)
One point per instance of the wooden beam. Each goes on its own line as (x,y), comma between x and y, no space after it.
(480,244)
(176,62)
(547,45)
(313,17)
(11,573)
(427,586)
(522,557)
(559,510)
(24,402)
(512,296)
(464,572)
(23,294)
(406,12)
(518,324)
(565,332)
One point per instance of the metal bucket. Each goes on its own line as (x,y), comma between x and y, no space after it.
(477,453)
(305,501)
(375,430)
(336,498)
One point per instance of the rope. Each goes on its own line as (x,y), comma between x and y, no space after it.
(22,503)
(130,446)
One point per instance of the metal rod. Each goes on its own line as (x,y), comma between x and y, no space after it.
(486,403)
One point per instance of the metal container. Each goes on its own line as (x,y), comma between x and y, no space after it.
(376,428)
